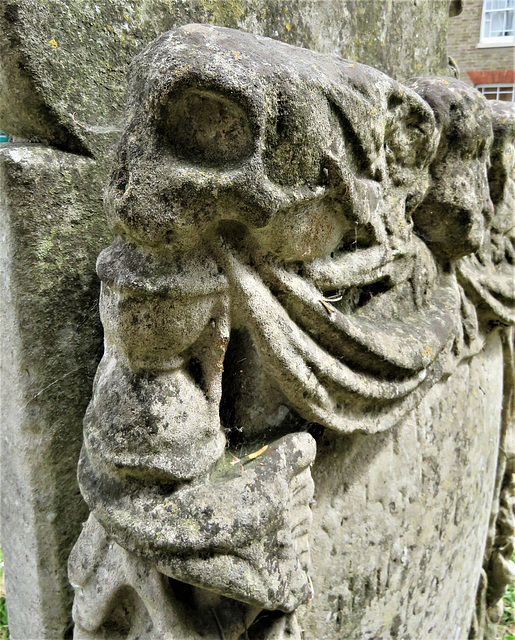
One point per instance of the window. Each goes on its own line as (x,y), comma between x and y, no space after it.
(498,23)
(505,92)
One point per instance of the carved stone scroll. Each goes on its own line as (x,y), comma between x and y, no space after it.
(303,250)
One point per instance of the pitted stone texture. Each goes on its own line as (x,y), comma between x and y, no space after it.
(495,299)
(400,521)
(501,174)
(63,63)
(457,211)
(275,230)
(488,277)
(399,524)
(63,78)
(242,534)
(267,278)
(52,341)
(303,118)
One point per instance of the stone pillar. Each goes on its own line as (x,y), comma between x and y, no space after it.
(50,232)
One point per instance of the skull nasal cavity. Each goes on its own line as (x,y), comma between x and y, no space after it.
(208,129)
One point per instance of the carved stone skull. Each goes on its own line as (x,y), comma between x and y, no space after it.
(261,205)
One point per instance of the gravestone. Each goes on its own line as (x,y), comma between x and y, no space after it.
(295,425)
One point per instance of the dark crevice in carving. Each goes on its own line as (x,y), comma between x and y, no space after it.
(281,125)
(356,156)
(357,297)
(355,237)
(317,431)
(212,615)
(231,389)
(263,623)
(11,12)
(394,100)
(182,591)
(239,380)
(207,128)
(119,622)
(194,368)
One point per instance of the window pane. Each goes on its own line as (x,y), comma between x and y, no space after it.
(488,20)
(509,30)
(498,18)
(490,93)
(506,95)
(497,28)
(504,92)
(492,5)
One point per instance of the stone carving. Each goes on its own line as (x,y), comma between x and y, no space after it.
(299,248)
(487,279)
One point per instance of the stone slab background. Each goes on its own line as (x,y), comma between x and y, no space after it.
(51,231)
(62,85)
(63,63)
(430,480)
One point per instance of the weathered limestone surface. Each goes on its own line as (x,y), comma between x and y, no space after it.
(399,520)
(48,325)
(62,77)
(491,294)
(297,245)
(406,522)
(413,489)
(63,64)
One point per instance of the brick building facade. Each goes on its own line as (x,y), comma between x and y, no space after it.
(481,40)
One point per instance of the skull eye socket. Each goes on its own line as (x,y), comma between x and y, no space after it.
(207,128)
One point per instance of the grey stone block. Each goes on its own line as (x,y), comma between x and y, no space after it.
(51,232)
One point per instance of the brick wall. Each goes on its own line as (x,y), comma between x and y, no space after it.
(462,39)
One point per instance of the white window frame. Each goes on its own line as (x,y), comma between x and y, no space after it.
(499,86)
(487,41)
